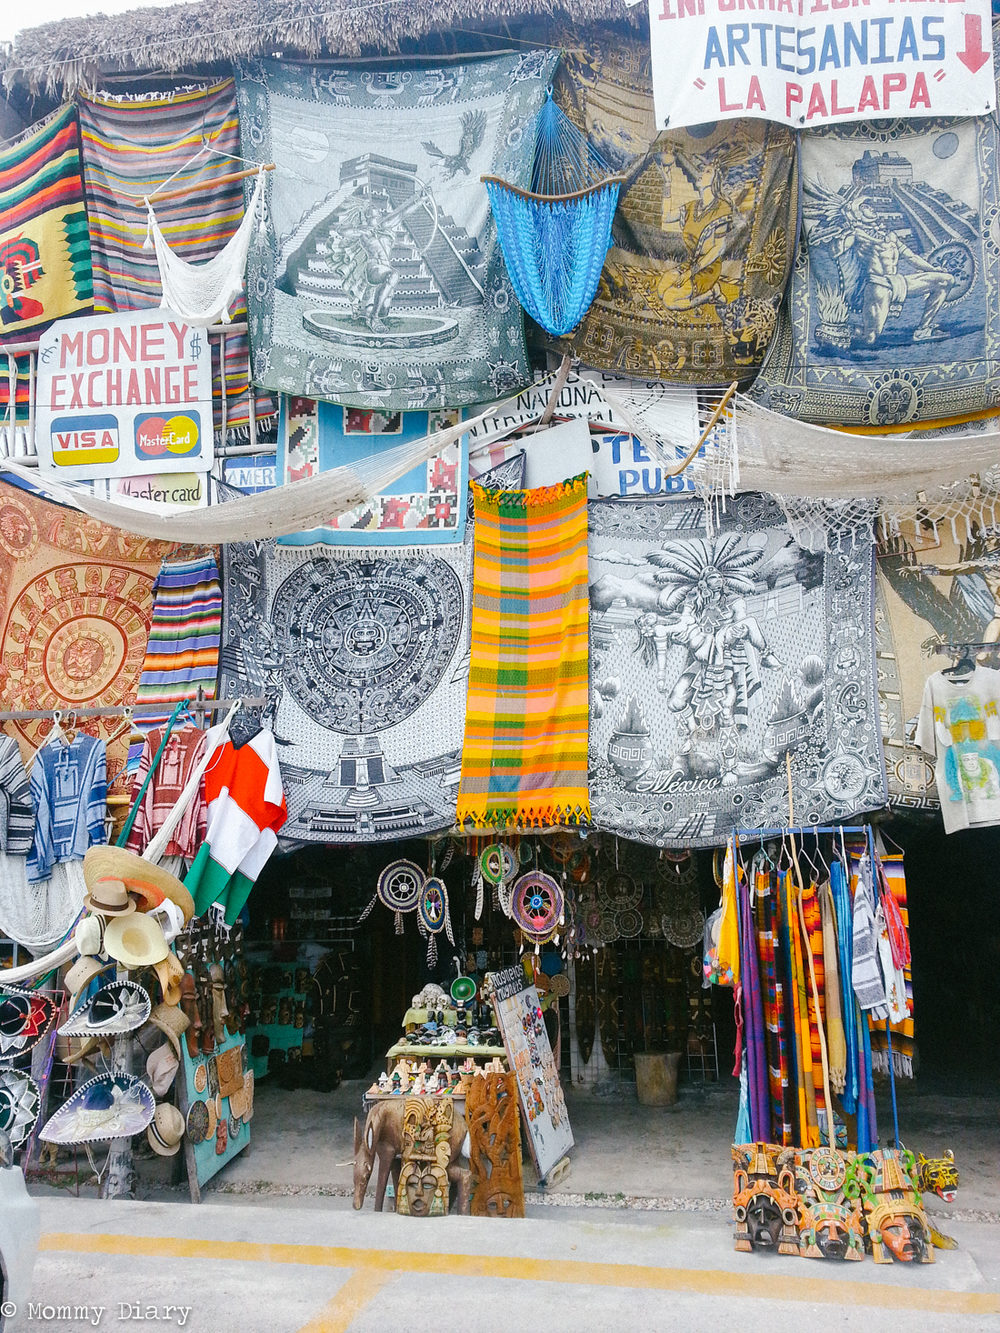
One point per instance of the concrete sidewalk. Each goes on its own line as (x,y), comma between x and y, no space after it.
(222,1268)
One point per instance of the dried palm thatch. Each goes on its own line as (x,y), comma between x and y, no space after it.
(58,58)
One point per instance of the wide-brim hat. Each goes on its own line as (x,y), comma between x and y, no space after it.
(87,936)
(24,1019)
(83,971)
(138,875)
(117,1007)
(166,1130)
(135,941)
(19,1104)
(170,974)
(111,1106)
(172,1022)
(108,896)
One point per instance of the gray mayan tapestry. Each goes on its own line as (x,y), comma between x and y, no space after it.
(378,281)
(363,657)
(893,312)
(714,657)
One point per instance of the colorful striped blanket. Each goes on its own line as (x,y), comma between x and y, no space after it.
(903,1033)
(183,649)
(130,148)
(524,761)
(44,248)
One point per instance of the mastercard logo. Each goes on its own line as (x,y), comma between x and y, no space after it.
(158,436)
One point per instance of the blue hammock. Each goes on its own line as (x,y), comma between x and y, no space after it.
(555,237)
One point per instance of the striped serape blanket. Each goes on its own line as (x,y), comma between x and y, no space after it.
(903,1039)
(44,248)
(183,648)
(524,760)
(131,146)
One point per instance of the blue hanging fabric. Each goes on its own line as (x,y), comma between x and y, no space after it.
(555,237)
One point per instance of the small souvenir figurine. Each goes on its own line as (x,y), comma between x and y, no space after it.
(441,1076)
(764,1198)
(939,1175)
(831,1225)
(384,1084)
(494,1066)
(897,1225)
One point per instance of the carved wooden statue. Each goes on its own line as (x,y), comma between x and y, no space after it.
(493,1117)
(423,1180)
(831,1225)
(897,1225)
(764,1199)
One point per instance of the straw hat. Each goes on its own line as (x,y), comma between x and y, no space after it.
(166,1131)
(135,941)
(149,882)
(172,1022)
(108,896)
(170,973)
(161,1067)
(83,971)
(87,936)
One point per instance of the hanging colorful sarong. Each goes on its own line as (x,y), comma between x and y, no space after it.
(817,1012)
(130,146)
(773,994)
(754,1030)
(524,760)
(44,248)
(182,654)
(842,906)
(903,1044)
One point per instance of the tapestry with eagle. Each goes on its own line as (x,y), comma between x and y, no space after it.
(378,281)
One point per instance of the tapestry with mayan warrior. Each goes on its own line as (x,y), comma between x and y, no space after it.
(524,760)
(131,145)
(379,282)
(936,585)
(75,605)
(893,311)
(716,658)
(44,246)
(362,656)
(704,234)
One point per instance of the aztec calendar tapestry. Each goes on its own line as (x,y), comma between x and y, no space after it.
(379,282)
(892,312)
(75,600)
(713,658)
(363,658)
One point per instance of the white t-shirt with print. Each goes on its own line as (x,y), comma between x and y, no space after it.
(959,725)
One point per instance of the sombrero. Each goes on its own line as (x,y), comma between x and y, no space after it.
(19,1104)
(111,1106)
(147,881)
(135,941)
(117,1007)
(24,1019)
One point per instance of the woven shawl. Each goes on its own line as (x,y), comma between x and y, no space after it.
(524,760)
(903,1044)
(814,943)
(183,649)
(772,975)
(130,147)
(44,249)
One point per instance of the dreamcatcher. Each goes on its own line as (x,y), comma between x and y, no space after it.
(399,887)
(496,866)
(536,906)
(555,237)
(433,915)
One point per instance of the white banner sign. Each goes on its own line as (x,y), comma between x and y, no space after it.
(123,396)
(810,62)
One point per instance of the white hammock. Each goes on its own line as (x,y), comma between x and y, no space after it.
(203,293)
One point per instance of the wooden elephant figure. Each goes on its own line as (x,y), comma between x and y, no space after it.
(381,1140)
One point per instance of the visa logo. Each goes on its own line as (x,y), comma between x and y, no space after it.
(84,441)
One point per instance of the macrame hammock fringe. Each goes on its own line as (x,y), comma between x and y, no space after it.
(203,293)
(555,237)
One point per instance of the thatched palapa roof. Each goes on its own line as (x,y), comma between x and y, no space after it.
(58,58)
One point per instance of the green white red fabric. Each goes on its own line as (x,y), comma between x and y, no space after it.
(246,807)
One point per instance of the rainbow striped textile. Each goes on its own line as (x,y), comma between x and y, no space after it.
(131,146)
(44,249)
(524,760)
(183,648)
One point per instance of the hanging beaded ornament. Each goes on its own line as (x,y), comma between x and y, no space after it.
(536,905)
(398,887)
(433,915)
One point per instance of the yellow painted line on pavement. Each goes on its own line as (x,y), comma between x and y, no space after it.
(700,1281)
(356,1293)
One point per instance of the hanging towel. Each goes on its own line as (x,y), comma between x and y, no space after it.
(203,293)
(836,1041)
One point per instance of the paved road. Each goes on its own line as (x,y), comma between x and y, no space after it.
(225,1268)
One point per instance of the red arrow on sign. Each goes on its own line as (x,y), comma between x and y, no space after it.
(975,56)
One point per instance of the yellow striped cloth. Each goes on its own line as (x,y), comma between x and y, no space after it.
(524,761)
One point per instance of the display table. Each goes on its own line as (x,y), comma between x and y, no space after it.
(404,1050)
